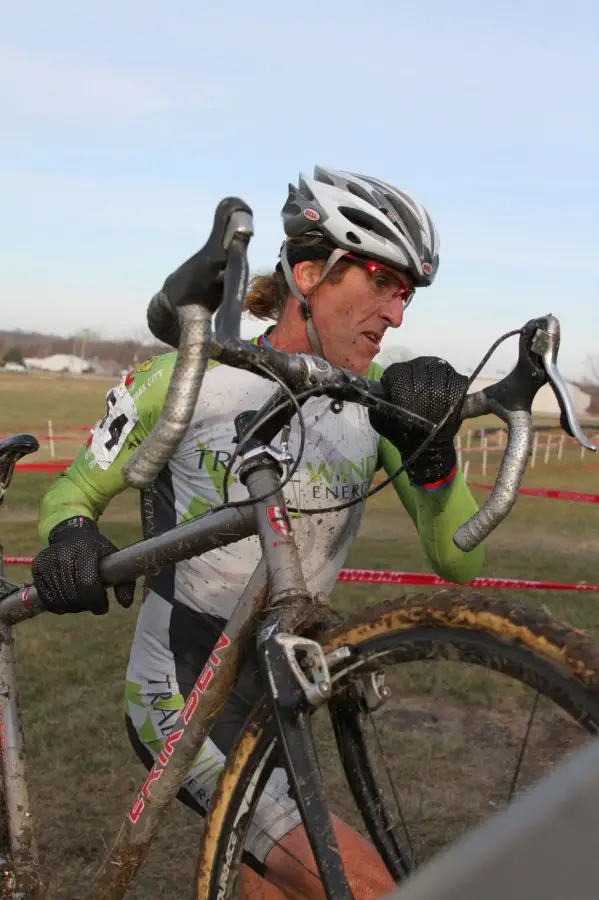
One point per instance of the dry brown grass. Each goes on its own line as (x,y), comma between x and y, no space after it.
(71,670)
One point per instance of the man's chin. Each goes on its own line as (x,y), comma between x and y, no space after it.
(357,365)
(361,366)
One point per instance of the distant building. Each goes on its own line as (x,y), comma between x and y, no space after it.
(60,362)
(545,403)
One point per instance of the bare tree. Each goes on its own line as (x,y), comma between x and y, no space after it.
(83,341)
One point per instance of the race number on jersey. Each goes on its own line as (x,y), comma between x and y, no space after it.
(111,431)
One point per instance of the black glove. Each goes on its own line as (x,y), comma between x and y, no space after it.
(66,574)
(428,386)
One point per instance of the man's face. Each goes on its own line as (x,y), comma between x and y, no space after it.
(352,315)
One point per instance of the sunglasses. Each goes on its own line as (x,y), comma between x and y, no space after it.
(402,289)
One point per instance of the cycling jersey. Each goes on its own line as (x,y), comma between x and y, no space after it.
(187,604)
(342,453)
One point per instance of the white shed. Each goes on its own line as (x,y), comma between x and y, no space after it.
(60,362)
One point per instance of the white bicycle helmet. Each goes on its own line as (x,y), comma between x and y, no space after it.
(361,215)
(366,216)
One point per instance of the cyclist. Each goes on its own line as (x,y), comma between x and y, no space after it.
(356,249)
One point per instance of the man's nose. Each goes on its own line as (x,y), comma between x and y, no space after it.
(392,312)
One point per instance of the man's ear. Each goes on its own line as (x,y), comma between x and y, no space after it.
(306,274)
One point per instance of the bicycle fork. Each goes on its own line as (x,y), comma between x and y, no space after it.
(283,656)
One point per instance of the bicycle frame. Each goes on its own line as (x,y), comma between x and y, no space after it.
(185,307)
(277,581)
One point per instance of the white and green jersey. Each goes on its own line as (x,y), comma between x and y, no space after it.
(342,453)
(176,628)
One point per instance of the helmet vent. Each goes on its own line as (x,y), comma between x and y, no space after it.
(292,209)
(369,223)
(358,191)
(353,237)
(407,222)
(325,179)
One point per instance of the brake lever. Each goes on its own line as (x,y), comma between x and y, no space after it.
(182,312)
(511,400)
(545,344)
(215,275)
(237,236)
(14,448)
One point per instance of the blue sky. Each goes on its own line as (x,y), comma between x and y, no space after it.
(125,123)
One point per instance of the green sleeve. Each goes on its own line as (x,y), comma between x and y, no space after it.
(96,474)
(437,516)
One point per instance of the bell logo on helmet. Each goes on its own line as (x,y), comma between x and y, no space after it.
(427,268)
(312,214)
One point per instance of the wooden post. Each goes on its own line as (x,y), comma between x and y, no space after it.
(535,445)
(51,438)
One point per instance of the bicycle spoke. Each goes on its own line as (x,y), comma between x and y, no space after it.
(300,862)
(524,745)
(437,727)
(400,814)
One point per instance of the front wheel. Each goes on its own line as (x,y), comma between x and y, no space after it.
(444,707)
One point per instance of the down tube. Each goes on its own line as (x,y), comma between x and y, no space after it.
(164,780)
(207,532)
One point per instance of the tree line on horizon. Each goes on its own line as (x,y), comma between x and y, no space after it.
(17,345)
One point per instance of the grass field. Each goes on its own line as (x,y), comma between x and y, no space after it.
(71,669)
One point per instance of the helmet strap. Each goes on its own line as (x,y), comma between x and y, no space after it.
(304,301)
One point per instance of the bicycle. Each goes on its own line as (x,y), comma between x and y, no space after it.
(308,657)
